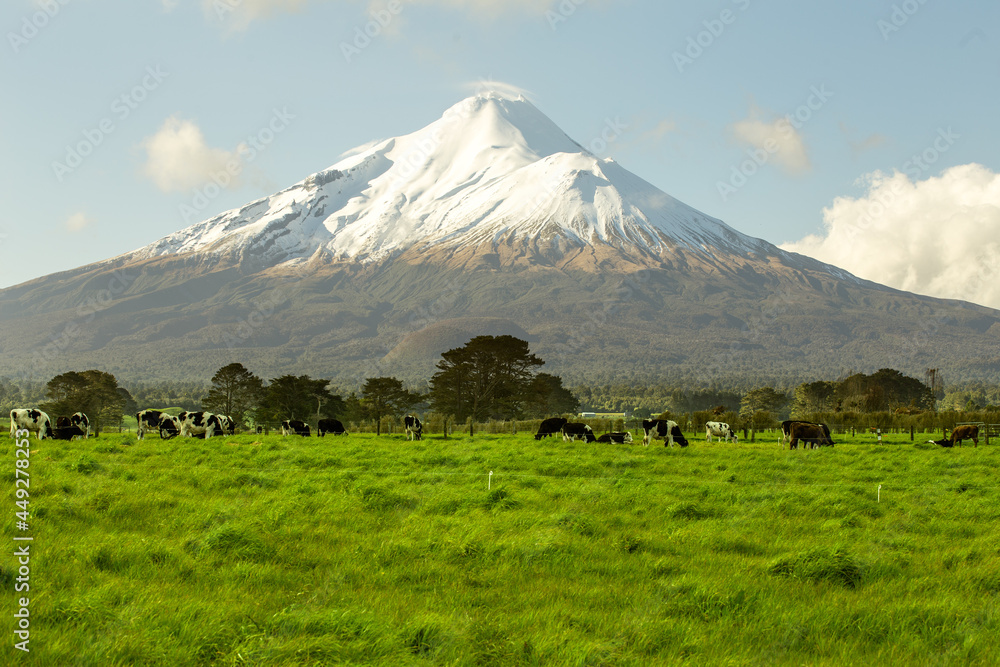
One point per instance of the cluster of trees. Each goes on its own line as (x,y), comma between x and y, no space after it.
(488,378)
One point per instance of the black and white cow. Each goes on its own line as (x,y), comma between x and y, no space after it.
(663,428)
(334,426)
(228,424)
(31,419)
(414,429)
(617,438)
(201,424)
(148,420)
(721,431)
(295,427)
(169,427)
(550,426)
(82,421)
(571,431)
(66,430)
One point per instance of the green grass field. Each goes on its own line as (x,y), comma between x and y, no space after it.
(377,551)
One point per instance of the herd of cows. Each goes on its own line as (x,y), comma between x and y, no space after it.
(808,433)
(206,425)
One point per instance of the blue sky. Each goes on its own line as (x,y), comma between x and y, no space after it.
(794,122)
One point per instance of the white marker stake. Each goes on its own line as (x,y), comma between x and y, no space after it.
(490,484)
(879,493)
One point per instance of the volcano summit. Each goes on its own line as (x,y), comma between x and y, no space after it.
(489,220)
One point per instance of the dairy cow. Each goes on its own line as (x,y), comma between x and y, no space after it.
(550,426)
(414,429)
(148,420)
(965,432)
(66,430)
(81,421)
(199,424)
(814,435)
(572,431)
(663,428)
(295,427)
(334,426)
(32,420)
(786,426)
(719,430)
(617,438)
(169,427)
(228,424)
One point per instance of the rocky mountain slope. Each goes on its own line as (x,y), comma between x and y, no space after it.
(489,220)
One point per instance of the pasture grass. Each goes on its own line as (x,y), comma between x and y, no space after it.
(367,550)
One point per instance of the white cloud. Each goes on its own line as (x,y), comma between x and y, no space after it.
(77,222)
(939,236)
(777,137)
(178,159)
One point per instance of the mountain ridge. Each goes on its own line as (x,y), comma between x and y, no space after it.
(488,220)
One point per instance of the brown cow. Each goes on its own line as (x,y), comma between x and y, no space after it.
(966,432)
(817,435)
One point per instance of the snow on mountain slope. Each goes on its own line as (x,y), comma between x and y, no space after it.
(493,167)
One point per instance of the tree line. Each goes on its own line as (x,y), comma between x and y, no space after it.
(488,378)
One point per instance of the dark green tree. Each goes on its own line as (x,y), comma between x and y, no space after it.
(94,393)
(299,397)
(547,397)
(385,396)
(814,397)
(758,407)
(235,392)
(490,376)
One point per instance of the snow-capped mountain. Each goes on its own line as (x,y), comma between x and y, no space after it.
(491,172)
(489,220)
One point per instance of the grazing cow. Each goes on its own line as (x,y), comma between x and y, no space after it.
(787,425)
(571,431)
(148,420)
(816,435)
(720,430)
(259,429)
(169,427)
(66,430)
(965,432)
(663,428)
(617,438)
(296,427)
(228,424)
(203,424)
(550,426)
(31,419)
(414,429)
(81,421)
(333,426)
